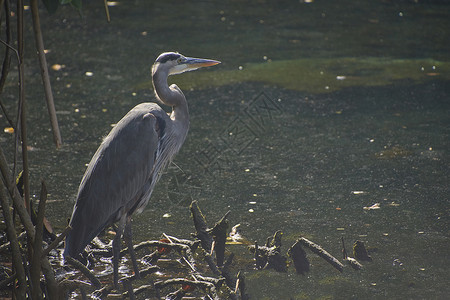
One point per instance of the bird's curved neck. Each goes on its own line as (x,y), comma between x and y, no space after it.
(171,96)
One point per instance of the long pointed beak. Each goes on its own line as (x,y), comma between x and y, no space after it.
(195,63)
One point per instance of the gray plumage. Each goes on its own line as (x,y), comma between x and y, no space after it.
(121,175)
(120,178)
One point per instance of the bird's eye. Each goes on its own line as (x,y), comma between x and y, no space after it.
(179,60)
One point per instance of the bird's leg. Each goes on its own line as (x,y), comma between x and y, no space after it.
(116,249)
(128,239)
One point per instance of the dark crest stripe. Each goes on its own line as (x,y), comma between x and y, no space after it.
(164,58)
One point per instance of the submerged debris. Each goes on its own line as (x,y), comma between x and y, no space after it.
(350,260)
(269,256)
(372,207)
(219,234)
(201,227)
(235,237)
(240,286)
(360,252)
(192,266)
(353,263)
(322,253)
(175,268)
(299,258)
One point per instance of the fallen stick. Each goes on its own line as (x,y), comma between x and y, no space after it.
(56,242)
(192,244)
(200,284)
(76,264)
(148,244)
(322,253)
(102,292)
(143,273)
(68,286)
(353,263)
(137,291)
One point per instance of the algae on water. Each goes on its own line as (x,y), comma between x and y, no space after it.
(319,75)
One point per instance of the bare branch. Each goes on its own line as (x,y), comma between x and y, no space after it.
(37,247)
(56,242)
(76,264)
(322,253)
(15,248)
(44,73)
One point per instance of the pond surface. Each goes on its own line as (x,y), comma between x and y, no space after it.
(326,119)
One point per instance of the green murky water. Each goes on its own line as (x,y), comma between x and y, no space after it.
(317,111)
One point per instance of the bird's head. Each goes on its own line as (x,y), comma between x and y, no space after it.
(176,63)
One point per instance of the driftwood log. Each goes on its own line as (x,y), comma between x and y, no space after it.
(322,253)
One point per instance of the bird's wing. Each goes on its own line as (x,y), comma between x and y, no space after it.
(115,176)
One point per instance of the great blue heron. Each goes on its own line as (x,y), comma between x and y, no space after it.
(121,175)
